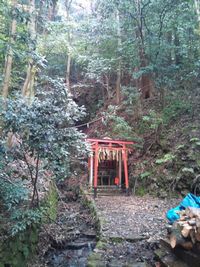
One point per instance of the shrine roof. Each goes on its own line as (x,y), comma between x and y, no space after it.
(109,141)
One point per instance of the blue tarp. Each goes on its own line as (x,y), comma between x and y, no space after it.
(189,201)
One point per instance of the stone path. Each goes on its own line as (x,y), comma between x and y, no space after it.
(134,217)
(131,228)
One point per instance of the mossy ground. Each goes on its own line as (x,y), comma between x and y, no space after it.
(16,251)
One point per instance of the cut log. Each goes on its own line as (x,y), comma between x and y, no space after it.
(186,231)
(198,223)
(197,236)
(192,236)
(184,218)
(176,238)
(192,222)
(181,223)
(187,245)
(193,212)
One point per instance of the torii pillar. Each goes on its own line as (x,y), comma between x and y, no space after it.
(125,159)
(95,168)
(91,166)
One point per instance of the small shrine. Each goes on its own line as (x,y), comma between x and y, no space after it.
(108,163)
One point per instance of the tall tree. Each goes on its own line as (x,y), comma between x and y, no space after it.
(28,87)
(118,82)
(197,7)
(68,68)
(9,56)
(145,83)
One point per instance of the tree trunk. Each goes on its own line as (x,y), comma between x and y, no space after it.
(118,81)
(9,57)
(68,72)
(28,87)
(145,83)
(197,8)
(52,10)
(118,86)
(68,67)
(176,49)
(107,86)
(169,38)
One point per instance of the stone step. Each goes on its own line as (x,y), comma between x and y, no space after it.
(111,187)
(107,191)
(104,194)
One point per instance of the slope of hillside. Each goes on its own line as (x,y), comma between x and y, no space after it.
(166,159)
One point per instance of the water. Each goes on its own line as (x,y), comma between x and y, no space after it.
(76,256)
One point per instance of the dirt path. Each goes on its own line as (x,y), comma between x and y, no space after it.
(128,217)
(131,229)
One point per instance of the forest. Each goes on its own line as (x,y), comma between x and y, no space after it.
(79,70)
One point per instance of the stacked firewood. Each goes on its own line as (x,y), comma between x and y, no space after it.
(185,232)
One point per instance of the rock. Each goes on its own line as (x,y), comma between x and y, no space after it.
(96,250)
(76,245)
(136,238)
(73,215)
(77,232)
(136,264)
(89,234)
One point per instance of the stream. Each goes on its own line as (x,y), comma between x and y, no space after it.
(75,254)
(68,241)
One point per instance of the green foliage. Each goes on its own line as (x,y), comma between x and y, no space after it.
(180,147)
(141,191)
(46,128)
(153,120)
(132,96)
(176,108)
(15,251)
(45,132)
(119,126)
(145,175)
(12,194)
(167,158)
(169,40)
(190,170)
(195,141)
(24,219)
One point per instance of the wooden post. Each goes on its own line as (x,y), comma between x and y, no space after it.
(120,169)
(95,169)
(125,168)
(91,171)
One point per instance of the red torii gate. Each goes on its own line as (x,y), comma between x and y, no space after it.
(111,145)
